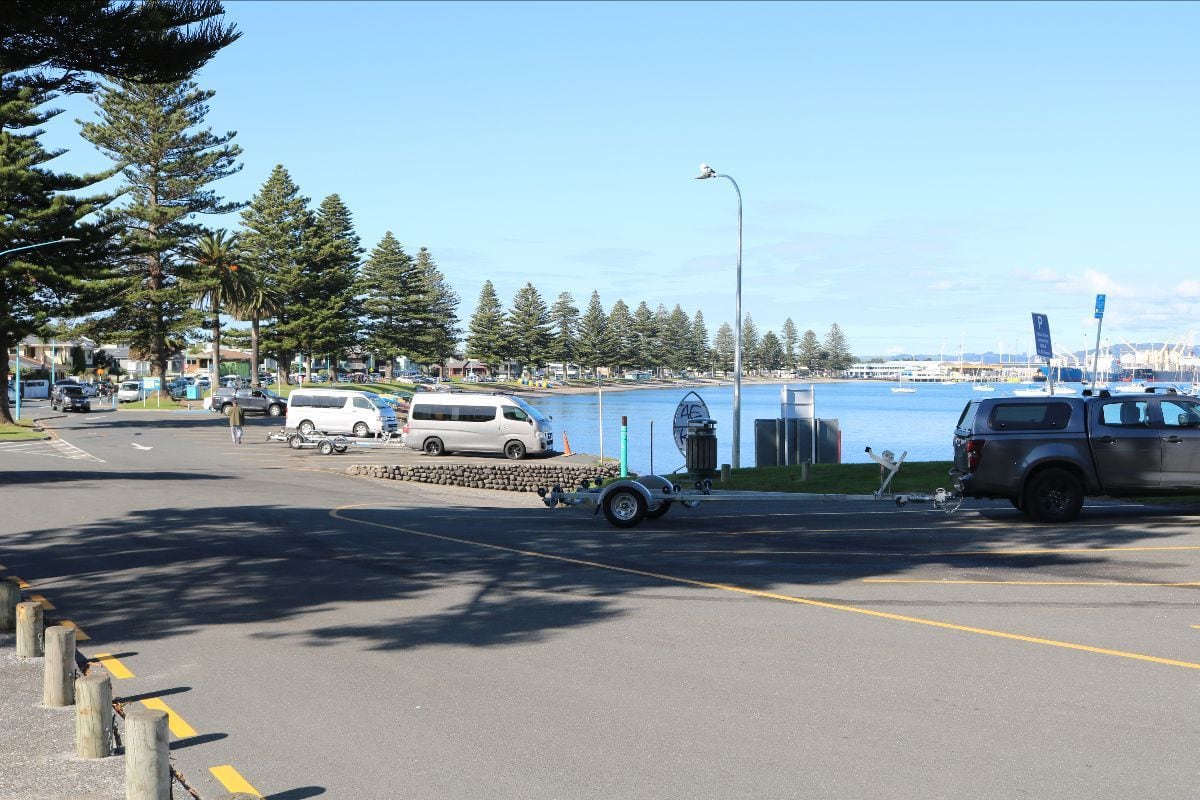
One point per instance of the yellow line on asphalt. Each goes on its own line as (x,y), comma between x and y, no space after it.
(112,665)
(939,553)
(1024,583)
(233,781)
(175,722)
(80,636)
(39,598)
(336,513)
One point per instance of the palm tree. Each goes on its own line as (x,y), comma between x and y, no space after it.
(257,301)
(221,282)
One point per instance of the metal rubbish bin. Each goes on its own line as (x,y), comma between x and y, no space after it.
(701,449)
(192,392)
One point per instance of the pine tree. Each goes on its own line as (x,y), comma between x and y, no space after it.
(564,322)
(839,356)
(40,206)
(790,339)
(809,355)
(437,321)
(152,131)
(487,339)
(328,306)
(770,352)
(723,347)
(528,324)
(384,285)
(677,340)
(645,349)
(595,348)
(277,225)
(620,335)
(701,351)
(750,343)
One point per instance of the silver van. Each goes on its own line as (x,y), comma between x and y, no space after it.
(441,422)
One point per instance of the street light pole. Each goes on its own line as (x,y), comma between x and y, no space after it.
(705,173)
(17,373)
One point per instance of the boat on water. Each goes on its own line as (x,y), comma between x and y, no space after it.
(983,387)
(902,389)
(1044,391)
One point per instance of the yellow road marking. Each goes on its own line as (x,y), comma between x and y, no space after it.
(336,513)
(233,781)
(38,598)
(1196,626)
(80,636)
(17,581)
(1024,583)
(938,553)
(175,722)
(112,665)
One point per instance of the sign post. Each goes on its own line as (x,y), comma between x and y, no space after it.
(1041,340)
(1099,323)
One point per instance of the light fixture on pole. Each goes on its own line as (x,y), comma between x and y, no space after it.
(17,373)
(708,172)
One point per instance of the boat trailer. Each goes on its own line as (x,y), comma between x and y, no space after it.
(327,444)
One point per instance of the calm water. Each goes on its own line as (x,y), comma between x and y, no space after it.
(869,413)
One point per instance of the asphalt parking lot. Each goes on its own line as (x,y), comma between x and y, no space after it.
(327,635)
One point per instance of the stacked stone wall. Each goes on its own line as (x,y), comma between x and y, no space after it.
(503,476)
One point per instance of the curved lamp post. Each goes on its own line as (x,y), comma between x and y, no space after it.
(708,172)
(17,371)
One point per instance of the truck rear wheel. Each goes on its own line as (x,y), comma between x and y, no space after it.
(1053,495)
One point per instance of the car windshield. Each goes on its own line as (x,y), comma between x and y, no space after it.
(530,410)
(379,402)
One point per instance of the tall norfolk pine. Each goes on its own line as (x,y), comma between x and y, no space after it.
(386,301)
(152,131)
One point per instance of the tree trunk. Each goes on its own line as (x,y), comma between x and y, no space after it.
(254,381)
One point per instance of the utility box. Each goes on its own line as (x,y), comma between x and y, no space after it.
(779,442)
(701,449)
(192,392)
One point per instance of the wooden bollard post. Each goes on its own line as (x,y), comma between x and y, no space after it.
(93,715)
(29,630)
(147,756)
(58,685)
(10,595)
(726,472)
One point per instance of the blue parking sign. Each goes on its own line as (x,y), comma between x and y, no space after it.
(1041,336)
(1100,306)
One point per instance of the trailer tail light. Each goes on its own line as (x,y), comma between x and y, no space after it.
(974,453)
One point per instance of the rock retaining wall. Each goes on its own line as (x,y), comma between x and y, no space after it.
(505,477)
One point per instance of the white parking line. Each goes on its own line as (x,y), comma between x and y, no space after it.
(54,449)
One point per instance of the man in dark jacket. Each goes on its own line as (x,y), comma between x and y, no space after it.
(236,418)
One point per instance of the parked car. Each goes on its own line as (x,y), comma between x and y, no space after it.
(340,411)
(263,401)
(130,391)
(69,396)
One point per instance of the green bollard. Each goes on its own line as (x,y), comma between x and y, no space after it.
(624,447)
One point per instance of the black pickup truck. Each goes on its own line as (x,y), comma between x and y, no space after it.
(1046,454)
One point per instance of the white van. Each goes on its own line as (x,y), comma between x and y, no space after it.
(439,422)
(339,411)
(35,389)
(130,391)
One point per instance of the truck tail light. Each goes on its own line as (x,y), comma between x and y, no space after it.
(974,454)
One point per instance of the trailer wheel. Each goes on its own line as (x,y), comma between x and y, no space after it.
(434,446)
(659,510)
(624,508)
(1053,495)
(295,441)
(325,447)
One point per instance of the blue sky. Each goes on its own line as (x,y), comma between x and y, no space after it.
(918,173)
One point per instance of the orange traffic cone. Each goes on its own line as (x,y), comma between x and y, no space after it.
(566,445)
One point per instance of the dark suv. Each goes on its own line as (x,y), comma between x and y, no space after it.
(69,397)
(262,400)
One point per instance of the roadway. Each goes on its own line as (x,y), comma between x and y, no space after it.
(323,635)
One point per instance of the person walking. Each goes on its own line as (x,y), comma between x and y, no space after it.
(236,418)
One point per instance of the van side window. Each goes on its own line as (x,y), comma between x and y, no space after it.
(475,413)
(515,414)
(361,402)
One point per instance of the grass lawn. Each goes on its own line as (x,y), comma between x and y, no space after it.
(22,431)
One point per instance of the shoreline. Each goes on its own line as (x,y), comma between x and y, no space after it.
(626,386)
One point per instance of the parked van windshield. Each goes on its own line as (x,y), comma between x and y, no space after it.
(530,410)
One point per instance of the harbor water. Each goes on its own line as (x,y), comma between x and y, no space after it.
(869,414)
